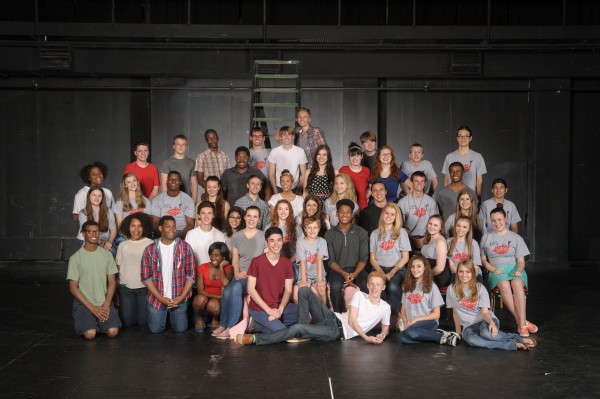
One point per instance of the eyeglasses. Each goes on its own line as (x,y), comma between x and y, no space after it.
(92,232)
(386,154)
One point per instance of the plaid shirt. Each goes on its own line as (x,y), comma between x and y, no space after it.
(212,164)
(183,269)
(265,213)
(314,138)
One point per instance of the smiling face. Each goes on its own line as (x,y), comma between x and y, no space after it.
(180,146)
(96,176)
(258,138)
(91,234)
(462,228)
(322,157)
(464,202)
(499,191)
(418,183)
(340,185)
(131,183)
(498,221)
(285,182)
(136,231)
(385,156)
(251,218)
(283,211)
(464,274)
(212,188)
(303,119)
(173,182)
(417,268)
(254,185)
(312,230)
(378,192)
(141,153)
(464,138)
(369,145)
(287,137)
(274,243)
(95,197)
(241,159)
(216,258)
(235,219)
(206,216)
(389,216)
(344,214)
(376,285)
(434,226)
(415,154)
(311,207)
(456,173)
(356,159)
(168,231)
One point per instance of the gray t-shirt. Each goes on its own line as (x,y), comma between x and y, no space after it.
(248,249)
(185,167)
(512,215)
(309,252)
(424,166)
(179,207)
(503,250)
(446,200)
(428,250)
(469,311)
(417,212)
(260,160)
(418,303)
(459,253)
(387,251)
(118,208)
(473,163)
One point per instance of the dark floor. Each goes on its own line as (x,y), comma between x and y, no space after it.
(40,356)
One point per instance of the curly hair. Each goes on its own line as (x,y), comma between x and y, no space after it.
(410,282)
(84,172)
(145,220)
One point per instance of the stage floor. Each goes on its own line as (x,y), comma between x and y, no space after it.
(40,355)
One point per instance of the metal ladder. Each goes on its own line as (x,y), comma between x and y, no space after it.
(275,95)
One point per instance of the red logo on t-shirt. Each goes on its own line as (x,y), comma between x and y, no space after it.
(312,259)
(469,303)
(259,164)
(387,245)
(501,249)
(136,210)
(174,211)
(415,298)
(460,256)
(467,167)
(420,212)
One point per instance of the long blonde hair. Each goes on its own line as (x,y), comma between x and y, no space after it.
(350,193)
(124,193)
(468,237)
(472,285)
(381,232)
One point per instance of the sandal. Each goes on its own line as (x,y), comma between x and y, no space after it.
(223,335)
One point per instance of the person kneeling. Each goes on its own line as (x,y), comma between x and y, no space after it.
(365,311)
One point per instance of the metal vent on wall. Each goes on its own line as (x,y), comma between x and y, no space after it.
(56,58)
(465,63)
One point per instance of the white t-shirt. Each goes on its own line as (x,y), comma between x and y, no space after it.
(297,203)
(200,241)
(167,252)
(288,159)
(369,314)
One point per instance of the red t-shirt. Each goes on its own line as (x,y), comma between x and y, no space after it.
(270,280)
(361,183)
(147,177)
(212,287)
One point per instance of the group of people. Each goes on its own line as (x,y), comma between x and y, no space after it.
(283,241)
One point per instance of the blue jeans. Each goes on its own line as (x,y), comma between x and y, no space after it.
(232,302)
(133,306)
(479,335)
(324,327)
(262,322)
(393,289)
(157,319)
(336,283)
(421,331)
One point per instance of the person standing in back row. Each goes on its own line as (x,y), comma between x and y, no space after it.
(147,174)
(472,161)
(308,137)
(213,161)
